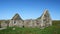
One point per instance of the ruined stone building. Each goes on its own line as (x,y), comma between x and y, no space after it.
(41,22)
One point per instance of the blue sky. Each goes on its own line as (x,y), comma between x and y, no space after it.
(29,9)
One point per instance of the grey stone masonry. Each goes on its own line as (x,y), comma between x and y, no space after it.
(41,22)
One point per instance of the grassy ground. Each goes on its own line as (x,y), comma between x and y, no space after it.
(54,29)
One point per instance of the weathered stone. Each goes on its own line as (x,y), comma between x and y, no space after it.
(41,22)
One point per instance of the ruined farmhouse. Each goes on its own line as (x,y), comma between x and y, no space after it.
(41,22)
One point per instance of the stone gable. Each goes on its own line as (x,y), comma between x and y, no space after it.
(41,22)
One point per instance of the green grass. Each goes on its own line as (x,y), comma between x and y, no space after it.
(54,29)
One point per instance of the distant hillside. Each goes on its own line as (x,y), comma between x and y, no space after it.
(55,22)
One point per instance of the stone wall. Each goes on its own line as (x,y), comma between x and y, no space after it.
(16,23)
(3,24)
(40,22)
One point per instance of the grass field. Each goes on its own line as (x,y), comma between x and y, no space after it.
(54,29)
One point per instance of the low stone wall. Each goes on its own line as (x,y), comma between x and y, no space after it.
(2,28)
